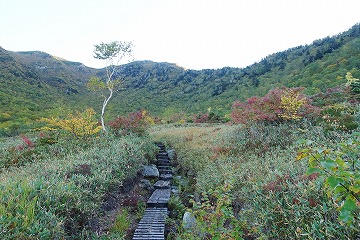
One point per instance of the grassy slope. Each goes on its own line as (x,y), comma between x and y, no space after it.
(32,83)
(58,188)
(271,196)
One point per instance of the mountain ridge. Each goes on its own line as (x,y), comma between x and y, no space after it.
(34,82)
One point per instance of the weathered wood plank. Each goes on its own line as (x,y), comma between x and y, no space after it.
(162,155)
(165,171)
(163,163)
(152,225)
(164,167)
(168,176)
(159,144)
(159,198)
(161,184)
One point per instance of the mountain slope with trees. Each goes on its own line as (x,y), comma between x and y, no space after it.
(317,66)
(34,83)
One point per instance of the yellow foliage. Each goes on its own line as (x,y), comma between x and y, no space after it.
(350,79)
(339,78)
(291,102)
(5,115)
(79,124)
(147,118)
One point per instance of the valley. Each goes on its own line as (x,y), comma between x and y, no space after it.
(36,84)
(270,151)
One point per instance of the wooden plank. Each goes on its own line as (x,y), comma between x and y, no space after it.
(162,154)
(163,160)
(166,176)
(159,144)
(163,163)
(161,184)
(148,237)
(163,167)
(152,225)
(165,171)
(159,198)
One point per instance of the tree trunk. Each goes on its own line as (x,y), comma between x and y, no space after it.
(106,100)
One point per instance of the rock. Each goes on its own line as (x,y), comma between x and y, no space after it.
(144,183)
(172,154)
(175,190)
(151,171)
(189,221)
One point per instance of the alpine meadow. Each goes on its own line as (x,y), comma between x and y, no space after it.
(269,151)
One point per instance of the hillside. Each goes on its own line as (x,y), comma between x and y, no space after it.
(33,83)
(317,66)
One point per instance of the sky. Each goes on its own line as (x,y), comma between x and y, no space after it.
(194,34)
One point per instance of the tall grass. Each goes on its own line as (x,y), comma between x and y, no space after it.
(56,194)
(272,198)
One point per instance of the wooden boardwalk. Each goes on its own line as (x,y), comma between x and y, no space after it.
(152,224)
(159,198)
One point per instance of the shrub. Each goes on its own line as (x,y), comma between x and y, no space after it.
(209,117)
(277,105)
(214,215)
(339,116)
(294,207)
(291,102)
(121,224)
(24,212)
(135,122)
(341,169)
(79,125)
(20,154)
(354,85)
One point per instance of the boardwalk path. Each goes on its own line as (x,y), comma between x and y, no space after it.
(152,225)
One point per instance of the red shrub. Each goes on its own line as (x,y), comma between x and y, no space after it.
(200,118)
(135,122)
(27,141)
(269,107)
(295,201)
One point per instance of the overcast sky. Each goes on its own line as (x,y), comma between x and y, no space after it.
(195,34)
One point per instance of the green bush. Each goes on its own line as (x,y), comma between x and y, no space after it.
(340,169)
(339,117)
(26,211)
(214,215)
